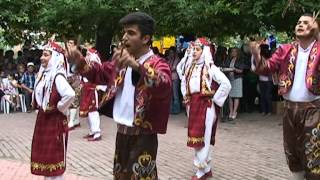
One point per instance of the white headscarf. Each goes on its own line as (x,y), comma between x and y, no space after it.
(46,76)
(187,60)
(206,58)
(93,56)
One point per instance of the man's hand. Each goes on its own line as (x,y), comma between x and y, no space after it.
(73,55)
(255,50)
(124,59)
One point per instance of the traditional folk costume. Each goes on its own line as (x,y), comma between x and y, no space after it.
(204,88)
(52,96)
(89,101)
(299,75)
(139,102)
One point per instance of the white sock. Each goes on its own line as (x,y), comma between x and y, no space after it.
(201,172)
(298,175)
(96,135)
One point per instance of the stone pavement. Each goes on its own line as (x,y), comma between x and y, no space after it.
(249,149)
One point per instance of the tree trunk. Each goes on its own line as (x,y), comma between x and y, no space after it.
(104,36)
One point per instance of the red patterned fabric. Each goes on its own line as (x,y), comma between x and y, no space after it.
(152,93)
(49,140)
(283,61)
(197,120)
(88,99)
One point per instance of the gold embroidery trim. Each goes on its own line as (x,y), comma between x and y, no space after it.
(86,68)
(65,122)
(150,71)
(144,124)
(47,167)
(195,140)
(50,108)
(145,157)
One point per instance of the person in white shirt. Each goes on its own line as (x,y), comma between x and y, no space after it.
(265,83)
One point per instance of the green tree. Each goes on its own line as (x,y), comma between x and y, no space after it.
(97,20)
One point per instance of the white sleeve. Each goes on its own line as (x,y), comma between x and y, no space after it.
(224,85)
(253,66)
(179,68)
(101,87)
(66,92)
(183,87)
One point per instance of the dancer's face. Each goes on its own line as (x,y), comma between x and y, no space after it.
(305,27)
(45,58)
(197,53)
(133,38)
(71,44)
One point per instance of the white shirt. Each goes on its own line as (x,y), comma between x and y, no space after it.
(299,91)
(253,68)
(217,76)
(64,89)
(123,108)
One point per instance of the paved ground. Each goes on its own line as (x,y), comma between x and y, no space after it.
(249,149)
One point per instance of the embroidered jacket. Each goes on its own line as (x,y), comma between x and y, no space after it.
(152,90)
(283,62)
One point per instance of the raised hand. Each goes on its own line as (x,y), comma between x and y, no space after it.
(313,27)
(76,59)
(255,48)
(73,55)
(124,59)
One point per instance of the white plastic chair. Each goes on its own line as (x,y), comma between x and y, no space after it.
(23,103)
(5,106)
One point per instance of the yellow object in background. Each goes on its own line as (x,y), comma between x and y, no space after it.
(168,42)
(157,44)
(164,43)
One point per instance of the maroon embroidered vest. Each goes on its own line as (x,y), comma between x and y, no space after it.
(287,72)
(151,114)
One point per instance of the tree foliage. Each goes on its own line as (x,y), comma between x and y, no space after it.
(99,18)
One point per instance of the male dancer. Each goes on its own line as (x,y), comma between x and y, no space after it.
(89,100)
(139,91)
(298,65)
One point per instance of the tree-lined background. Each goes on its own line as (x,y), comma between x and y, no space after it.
(97,20)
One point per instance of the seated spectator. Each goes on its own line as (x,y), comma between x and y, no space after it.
(9,87)
(27,84)
(9,69)
(2,94)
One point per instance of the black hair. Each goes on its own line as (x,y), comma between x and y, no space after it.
(172,48)
(84,51)
(9,52)
(307,14)
(145,23)
(265,51)
(20,53)
(74,39)
(155,50)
